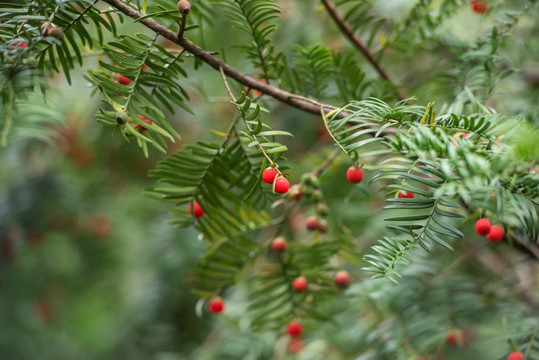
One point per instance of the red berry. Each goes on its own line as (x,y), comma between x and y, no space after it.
(495,234)
(406,194)
(294,328)
(295,192)
(21,44)
(479,7)
(123,80)
(460,135)
(199,212)
(216,305)
(269,175)
(312,223)
(342,279)
(295,345)
(482,226)
(147,121)
(354,175)
(517,355)
(257,92)
(300,284)
(281,185)
(279,245)
(455,337)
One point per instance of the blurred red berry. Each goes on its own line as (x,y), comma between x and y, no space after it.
(22,44)
(455,337)
(43,311)
(323,226)
(495,234)
(312,223)
(342,279)
(216,305)
(300,284)
(516,355)
(295,192)
(295,345)
(294,328)
(279,244)
(479,7)
(198,211)
(100,226)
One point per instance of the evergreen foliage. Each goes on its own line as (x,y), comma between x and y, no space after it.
(458,149)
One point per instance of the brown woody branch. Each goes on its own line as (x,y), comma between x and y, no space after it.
(358,43)
(297,101)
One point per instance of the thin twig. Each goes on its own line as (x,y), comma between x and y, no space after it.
(347,30)
(226,85)
(319,170)
(182,25)
(167,65)
(297,101)
(260,148)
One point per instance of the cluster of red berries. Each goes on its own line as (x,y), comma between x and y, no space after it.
(300,284)
(479,6)
(311,189)
(341,279)
(280,184)
(494,233)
